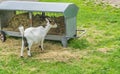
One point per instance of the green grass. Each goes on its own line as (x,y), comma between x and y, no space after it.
(78,43)
(102,24)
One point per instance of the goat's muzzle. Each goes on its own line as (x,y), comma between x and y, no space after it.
(54,26)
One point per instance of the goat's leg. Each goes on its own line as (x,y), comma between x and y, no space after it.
(42,44)
(22,49)
(40,47)
(29,48)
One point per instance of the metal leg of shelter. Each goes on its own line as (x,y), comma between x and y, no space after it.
(30,18)
(64,41)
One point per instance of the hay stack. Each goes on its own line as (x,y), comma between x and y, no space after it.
(17,20)
(37,20)
(61,26)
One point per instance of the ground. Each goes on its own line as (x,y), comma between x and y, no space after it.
(97,52)
(53,51)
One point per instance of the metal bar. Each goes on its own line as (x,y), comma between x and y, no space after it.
(12,33)
(48,37)
(30,18)
(83,32)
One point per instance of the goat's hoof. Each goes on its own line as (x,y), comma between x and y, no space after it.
(21,56)
(29,55)
(39,46)
(42,49)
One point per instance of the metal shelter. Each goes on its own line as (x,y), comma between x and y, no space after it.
(69,10)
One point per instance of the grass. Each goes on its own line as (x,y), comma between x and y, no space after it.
(97,52)
(78,43)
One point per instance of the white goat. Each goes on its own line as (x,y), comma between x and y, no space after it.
(35,35)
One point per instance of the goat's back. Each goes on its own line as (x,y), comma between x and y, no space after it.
(35,34)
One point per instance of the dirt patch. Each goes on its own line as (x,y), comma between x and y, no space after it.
(64,55)
(53,51)
(114,3)
(104,50)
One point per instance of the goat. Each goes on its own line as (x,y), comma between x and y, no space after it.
(35,35)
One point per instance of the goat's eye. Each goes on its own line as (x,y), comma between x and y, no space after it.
(50,21)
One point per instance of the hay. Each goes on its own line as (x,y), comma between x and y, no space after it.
(52,52)
(37,20)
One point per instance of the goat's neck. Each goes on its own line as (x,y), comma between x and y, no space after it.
(47,28)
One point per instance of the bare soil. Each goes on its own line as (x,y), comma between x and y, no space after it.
(115,3)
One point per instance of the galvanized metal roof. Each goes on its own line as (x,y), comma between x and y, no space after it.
(39,6)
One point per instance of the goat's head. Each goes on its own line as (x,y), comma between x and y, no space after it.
(51,22)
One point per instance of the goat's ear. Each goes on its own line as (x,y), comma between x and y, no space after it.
(46,19)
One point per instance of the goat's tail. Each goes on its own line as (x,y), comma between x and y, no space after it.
(21,29)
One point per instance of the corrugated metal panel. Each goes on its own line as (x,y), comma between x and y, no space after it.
(71,27)
(71,11)
(68,9)
(34,6)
